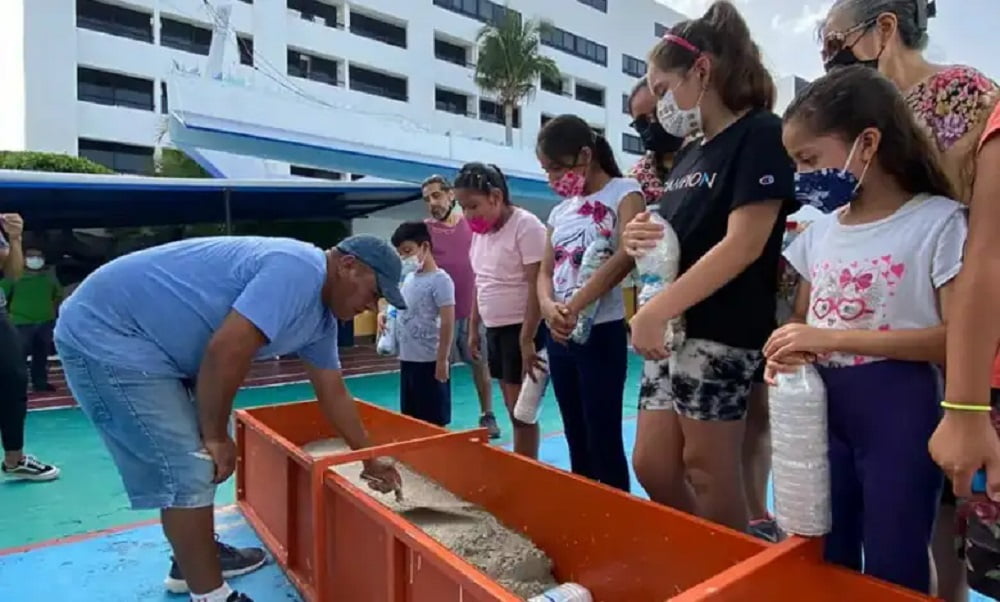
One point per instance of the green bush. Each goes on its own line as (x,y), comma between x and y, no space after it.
(32,161)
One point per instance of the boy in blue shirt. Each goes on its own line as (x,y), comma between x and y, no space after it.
(425,328)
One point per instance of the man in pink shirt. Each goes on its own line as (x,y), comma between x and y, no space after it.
(452,239)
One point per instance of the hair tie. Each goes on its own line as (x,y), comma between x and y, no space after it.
(676,39)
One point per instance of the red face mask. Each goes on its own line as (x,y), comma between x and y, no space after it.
(569,185)
(481,225)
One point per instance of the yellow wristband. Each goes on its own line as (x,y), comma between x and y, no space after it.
(965,407)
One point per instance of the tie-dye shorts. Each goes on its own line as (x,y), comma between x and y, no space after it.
(704,380)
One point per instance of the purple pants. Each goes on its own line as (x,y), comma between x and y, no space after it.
(885,487)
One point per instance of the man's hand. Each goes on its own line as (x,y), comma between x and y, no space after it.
(13,225)
(382,476)
(223,453)
(441,370)
(963,443)
(531,363)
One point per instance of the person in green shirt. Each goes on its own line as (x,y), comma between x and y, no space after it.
(33,300)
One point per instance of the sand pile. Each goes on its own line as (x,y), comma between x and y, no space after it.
(467,530)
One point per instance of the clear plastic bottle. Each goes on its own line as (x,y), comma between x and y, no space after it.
(388,341)
(593,258)
(658,269)
(799,443)
(567,592)
(529,401)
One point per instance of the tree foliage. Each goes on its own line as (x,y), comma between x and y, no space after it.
(510,63)
(52,162)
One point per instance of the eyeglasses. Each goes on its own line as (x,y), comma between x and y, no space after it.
(836,41)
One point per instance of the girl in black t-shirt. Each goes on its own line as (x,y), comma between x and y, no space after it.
(726,197)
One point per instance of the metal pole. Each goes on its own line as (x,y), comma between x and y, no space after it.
(229,213)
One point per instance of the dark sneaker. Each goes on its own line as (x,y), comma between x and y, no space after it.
(235,562)
(489,422)
(30,469)
(238,597)
(766,529)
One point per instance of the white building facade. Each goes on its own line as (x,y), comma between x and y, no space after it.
(90,77)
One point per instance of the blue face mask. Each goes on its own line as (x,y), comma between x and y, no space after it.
(829,188)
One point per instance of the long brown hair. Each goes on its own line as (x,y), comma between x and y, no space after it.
(849,100)
(738,73)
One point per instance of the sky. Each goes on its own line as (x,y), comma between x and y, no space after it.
(963,32)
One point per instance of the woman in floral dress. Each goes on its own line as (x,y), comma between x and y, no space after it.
(952,104)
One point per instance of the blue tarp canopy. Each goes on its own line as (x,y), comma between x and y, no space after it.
(57,200)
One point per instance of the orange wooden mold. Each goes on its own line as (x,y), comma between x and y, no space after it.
(620,547)
(274,476)
(794,571)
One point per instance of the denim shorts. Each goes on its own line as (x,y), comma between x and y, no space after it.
(149,423)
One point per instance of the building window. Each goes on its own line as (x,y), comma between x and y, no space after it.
(633,145)
(122,158)
(494,113)
(315,173)
(485,11)
(452,53)
(315,11)
(633,66)
(377,29)
(575,45)
(184,36)
(627,110)
(660,30)
(318,69)
(601,5)
(247,1)
(553,85)
(546,118)
(378,84)
(451,102)
(356,176)
(164,104)
(114,20)
(113,89)
(245,46)
(590,95)
(597,130)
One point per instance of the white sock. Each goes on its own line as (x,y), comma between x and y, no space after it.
(220,595)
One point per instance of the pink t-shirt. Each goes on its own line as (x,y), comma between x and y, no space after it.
(498,258)
(451,252)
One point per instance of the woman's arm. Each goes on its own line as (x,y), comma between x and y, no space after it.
(614,270)
(974,328)
(747,232)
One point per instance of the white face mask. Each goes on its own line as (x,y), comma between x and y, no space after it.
(410,264)
(675,120)
(34,263)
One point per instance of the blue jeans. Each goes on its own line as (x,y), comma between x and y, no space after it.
(149,423)
(589,384)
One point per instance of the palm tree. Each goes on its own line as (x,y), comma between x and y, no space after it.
(510,64)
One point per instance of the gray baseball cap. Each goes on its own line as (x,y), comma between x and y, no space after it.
(382,259)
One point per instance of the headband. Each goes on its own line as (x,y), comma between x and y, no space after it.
(681,42)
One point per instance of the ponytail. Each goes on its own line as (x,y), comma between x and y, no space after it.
(563,137)
(738,74)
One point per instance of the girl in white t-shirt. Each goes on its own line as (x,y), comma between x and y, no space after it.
(870,310)
(588,377)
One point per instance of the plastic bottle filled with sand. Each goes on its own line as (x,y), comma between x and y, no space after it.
(799,462)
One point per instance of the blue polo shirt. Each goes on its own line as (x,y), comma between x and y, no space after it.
(156,309)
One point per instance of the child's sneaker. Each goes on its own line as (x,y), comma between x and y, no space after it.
(238,597)
(235,562)
(30,469)
(489,422)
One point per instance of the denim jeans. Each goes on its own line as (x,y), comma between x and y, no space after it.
(149,423)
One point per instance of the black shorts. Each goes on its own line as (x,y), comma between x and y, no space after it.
(421,395)
(503,351)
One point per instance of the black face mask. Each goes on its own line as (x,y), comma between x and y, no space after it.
(845,57)
(655,138)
